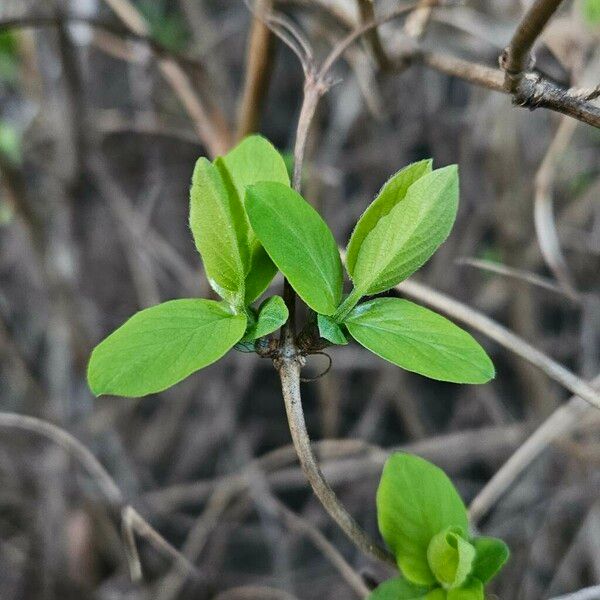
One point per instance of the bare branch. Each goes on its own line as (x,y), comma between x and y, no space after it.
(562,421)
(367,14)
(289,373)
(516,57)
(259,64)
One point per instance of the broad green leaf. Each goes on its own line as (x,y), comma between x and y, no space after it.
(331,331)
(450,557)
(405,238)
(491,554)
(591,11)
(472,590)
(299,243)
(419,340)
(161,345)
(253,160)
(415,501)
(260,274)
(401,589)
(219,228)
(272,314)
(391,193)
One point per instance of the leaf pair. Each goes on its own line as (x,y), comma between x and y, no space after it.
(160,346)
(412,215)
(424,522)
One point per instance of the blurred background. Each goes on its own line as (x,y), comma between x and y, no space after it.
(104,107)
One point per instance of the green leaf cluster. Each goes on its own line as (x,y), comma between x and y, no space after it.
(161,345)
(247,223)
(407,222)
(424,522)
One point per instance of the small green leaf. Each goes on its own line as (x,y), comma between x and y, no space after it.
(472,590)
(272,314)
(415,501)
(491,555)
(260,274)
(253,160)
(219,228)
(450,557)
(401,589)
(161,345)
(299,243)
(419,340)
(391,193)
(405,238)
(331,331)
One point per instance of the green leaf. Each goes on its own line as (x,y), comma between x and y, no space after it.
(591,11)
(472,590)
(450,557)
(405,238)
(393,191)
(331,331)
(400,589)
(419,340)
(253,160)
(491,554)
(415,501)
(299,243)
(219,228)
(261,272)
(272,314)
(161,345)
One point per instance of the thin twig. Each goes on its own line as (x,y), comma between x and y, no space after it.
(130,517)
(367,15)
(560,423)
(516,57)
(210,126)
(545,226)
(289,373)
(519,274)
(259,65)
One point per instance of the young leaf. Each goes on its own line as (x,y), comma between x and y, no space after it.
(161,345)
(419,340)
(219,228)
(491,554)
(272,314)
(299,242)
(415,501)
(260,273)
(405,238)
(472,590)
(399,588)
(255,159)
(391,193)
(450,557)
(331,331)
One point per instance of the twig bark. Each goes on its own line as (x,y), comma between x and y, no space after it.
(516,57)
(259,65)
(367,15)
(289,373)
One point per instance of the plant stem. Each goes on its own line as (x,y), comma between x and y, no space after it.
(347,305)
(289,373)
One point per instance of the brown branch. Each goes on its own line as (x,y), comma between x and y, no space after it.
(259,66)
(367,15)
(289,373)
(516,58)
